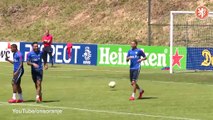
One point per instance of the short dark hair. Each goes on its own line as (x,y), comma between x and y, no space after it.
(34,43)
(135,41)
(14,45)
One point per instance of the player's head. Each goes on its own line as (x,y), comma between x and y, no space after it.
(47,32)
(134,44)
(13,47)
(35,46)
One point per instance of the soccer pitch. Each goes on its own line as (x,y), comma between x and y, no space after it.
(82,93)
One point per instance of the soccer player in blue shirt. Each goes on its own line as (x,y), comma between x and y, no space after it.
(135,56)
(18,71)
(34,59)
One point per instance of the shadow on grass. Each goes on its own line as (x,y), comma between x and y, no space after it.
(54,66)
(112,89)
(44,101)
(146,98)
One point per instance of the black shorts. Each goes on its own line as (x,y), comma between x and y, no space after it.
(47,49)
(37,75)
(17,79)
(134,75)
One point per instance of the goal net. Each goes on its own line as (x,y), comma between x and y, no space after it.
(191,41)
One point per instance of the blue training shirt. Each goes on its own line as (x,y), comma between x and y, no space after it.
(35,57)
(17,60)
(136,54)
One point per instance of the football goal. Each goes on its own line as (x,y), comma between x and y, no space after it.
(196,36)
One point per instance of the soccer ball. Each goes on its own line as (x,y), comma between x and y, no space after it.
(112,84)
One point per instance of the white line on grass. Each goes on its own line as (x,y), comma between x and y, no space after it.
(95,70)
(80,69)
(186,83)
(98,70)
(163,82)
(101,111)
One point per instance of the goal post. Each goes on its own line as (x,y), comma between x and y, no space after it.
(188,31)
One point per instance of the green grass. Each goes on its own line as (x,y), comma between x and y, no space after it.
(82,93)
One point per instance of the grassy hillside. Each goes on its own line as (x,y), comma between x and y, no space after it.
(85,21)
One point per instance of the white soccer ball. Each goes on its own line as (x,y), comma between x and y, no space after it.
(112,84)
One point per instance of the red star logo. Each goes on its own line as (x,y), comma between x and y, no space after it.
(176,58)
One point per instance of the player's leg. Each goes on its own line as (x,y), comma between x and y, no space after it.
(69,52)
(132,97)
(19,89)
(44,56)
(134,85)
(141,91)
(136,74)
(134,78)
(14,87)
(38,91)
(36,87)
(39,86)
(34,78)
(51,57)
(13,99)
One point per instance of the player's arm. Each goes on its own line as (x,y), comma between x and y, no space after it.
(29,61)
(142,59)
(10,61)
(20,66)
(141,53)
(128,57)
(48,41)
(51,40)
(44,40)
(20,62)
(32,64)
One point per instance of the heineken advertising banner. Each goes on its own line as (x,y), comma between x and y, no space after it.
(107,55)
(157,56)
